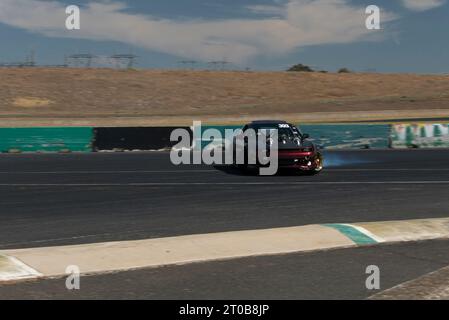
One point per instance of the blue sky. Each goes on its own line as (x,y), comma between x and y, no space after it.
(258,34)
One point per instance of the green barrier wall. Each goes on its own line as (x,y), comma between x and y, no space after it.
(329,136)
(76,139)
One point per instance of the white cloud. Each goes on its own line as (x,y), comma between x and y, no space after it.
(422,5)
(267,9)
(298,23)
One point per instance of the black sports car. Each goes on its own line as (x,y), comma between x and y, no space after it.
(295,151)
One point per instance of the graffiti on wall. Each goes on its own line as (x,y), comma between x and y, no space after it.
(420,136)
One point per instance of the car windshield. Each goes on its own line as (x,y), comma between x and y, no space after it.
(284,130)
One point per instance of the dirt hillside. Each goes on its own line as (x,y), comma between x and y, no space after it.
(38,96)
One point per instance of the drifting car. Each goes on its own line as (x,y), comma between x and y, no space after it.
(295,151)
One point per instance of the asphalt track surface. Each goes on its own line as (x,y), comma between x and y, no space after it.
(59,199)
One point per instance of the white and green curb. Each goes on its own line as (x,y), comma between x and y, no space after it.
(395,231)
(358,235)
(127,255)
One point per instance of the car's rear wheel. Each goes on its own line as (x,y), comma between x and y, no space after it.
(243,167)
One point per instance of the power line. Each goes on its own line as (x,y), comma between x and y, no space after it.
(219,64)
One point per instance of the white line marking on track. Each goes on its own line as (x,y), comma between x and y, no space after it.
(107,172)
(388,169)
(87,236)
(215,171)
(149,184)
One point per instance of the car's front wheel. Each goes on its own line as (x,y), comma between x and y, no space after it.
(317,167)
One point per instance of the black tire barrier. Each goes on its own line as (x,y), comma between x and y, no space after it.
(134,138)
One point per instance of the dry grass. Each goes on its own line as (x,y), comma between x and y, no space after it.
(120,97)
(27,102)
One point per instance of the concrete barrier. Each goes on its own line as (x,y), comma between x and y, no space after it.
(133,138)
(327,136)
(422,135)
(68,139)
(337,136)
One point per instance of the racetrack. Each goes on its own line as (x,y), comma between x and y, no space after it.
(54,199)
